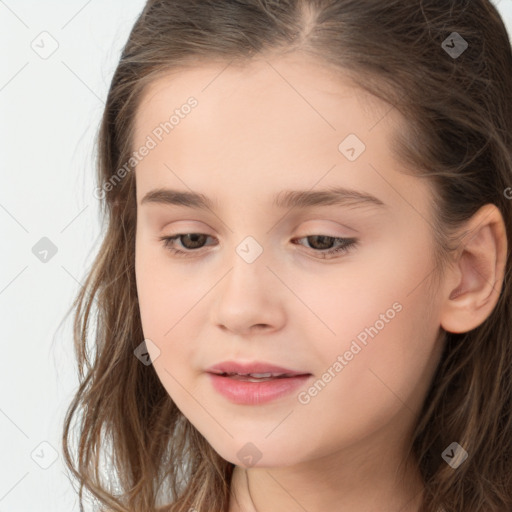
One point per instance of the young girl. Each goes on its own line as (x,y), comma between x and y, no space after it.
(303,297)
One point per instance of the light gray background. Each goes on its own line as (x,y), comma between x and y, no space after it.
(50,112)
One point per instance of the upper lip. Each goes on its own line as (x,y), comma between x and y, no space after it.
(250,368)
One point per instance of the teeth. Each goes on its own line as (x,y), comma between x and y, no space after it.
(261,375)
(256,375)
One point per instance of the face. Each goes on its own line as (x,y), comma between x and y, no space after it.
(258,279)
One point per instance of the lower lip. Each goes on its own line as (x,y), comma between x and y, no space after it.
(254,393)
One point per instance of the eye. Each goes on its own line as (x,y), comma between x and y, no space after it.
(192,242)
(194,239)
(345,244)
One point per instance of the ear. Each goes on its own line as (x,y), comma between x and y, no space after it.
(475,279)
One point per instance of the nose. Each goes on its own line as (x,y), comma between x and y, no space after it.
(249,298)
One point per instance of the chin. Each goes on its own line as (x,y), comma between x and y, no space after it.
(258,454)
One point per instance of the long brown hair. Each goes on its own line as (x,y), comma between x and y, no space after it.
(457,134)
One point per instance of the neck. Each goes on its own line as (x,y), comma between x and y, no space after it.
(375,482)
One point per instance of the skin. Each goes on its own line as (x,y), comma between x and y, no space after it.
(254,133)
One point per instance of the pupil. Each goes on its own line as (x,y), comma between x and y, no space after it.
(323,240)
(193,237)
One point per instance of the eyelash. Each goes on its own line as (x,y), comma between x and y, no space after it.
(347,245)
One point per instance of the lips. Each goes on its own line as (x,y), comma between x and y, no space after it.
(255,383)
(255,370)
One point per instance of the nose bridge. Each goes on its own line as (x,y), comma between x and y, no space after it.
(245,298)
(249,266)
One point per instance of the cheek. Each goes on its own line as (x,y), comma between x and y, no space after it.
(163,310)
(168,303)
(387,336)
(388,356)
(164,294)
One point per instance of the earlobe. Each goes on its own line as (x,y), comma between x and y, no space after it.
(478,272)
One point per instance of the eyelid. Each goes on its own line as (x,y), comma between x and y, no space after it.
(324,227)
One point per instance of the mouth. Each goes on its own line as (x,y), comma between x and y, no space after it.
(255,370)
(256,388)
(258,377)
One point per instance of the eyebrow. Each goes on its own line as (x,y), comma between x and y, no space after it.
(285,199)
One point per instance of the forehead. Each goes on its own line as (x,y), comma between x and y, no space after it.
(268,126)
(275,91)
